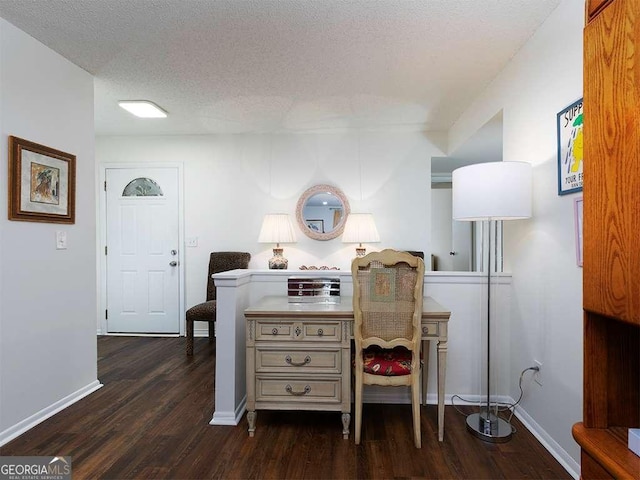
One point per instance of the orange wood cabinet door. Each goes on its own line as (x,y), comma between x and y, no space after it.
(594,7)
(612,162)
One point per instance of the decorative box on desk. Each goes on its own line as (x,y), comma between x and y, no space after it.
(313,290)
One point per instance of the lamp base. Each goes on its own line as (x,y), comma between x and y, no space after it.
(489,427)
(278,262)
(361,251)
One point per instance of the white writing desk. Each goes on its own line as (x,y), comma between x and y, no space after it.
(298,356)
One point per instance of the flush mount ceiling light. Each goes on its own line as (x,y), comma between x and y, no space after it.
(143,108)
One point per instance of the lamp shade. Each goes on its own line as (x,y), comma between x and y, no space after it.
(492,191)
(277,228)
(360,228)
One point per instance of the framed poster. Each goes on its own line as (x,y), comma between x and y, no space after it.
(570,149)
(42,183)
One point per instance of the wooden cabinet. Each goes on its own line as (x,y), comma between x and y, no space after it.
(299,359)
(612,162)
(611,285)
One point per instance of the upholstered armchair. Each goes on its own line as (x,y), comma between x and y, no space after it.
(206,311)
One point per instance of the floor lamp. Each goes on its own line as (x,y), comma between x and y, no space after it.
(491,192)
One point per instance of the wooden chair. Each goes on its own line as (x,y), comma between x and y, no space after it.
(387,308)
(206,311)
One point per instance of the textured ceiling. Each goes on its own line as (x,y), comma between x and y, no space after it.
(231,66)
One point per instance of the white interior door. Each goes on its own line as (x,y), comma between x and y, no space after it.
(142,238)
(461,239)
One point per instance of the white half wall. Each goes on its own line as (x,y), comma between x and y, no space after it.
(546,323)
(464,294)
(48,305)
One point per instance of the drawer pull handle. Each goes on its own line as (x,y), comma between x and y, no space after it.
(289,389)
(298,331)
(320,332)
(306,360)
(274,331)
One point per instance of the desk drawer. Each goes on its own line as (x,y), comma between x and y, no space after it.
(302,390)
(289,360)
(323,331)
(315,331)
(430,329)
(274,330)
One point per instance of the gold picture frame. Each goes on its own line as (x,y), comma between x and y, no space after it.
(42,183)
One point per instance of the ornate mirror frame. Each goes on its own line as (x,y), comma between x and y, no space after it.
(310,192)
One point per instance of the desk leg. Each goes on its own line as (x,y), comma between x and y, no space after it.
(442,367)
(346,421)
(425,369)
(251,419)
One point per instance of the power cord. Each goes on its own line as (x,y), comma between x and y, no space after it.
(501,406)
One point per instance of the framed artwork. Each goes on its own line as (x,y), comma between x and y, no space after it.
(316,225)
(577,207)
(42,183)
(570,149)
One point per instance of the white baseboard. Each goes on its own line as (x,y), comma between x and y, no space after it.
(230,418)
(201,332)
(150,335)
(197,332)
(39,417)
(374,394)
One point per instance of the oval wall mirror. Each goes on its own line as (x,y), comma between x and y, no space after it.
(322,211)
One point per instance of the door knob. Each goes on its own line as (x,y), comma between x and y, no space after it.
(173,263)
(453,253)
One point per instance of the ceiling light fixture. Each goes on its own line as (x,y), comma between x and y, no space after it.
(143,108)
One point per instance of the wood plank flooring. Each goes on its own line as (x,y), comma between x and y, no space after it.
(151,420)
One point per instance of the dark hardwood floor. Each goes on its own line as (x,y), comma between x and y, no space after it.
(151,420)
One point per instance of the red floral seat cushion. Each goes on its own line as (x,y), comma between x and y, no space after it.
(389,363)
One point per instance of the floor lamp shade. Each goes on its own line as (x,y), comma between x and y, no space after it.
(277,228)
(491,191)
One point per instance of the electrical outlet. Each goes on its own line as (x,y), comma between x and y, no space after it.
(537,376)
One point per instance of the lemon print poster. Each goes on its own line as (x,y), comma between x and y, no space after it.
(570,150)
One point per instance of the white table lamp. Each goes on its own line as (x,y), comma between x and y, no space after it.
(277,228)
(360,228)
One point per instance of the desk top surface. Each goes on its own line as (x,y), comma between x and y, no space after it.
(278,305)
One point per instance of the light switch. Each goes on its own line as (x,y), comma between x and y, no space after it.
(192,242)
(61,240)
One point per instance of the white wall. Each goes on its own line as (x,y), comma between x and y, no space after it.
(47,296)
(231,181)
(546,322)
